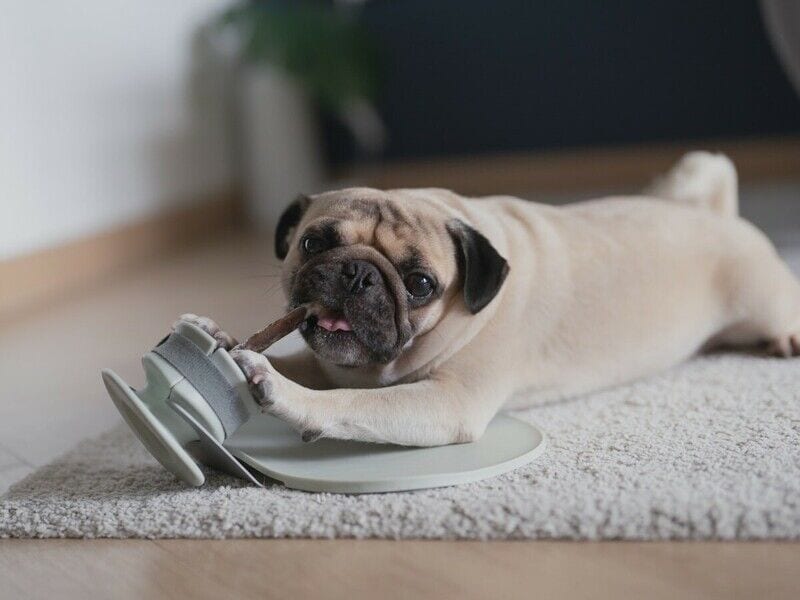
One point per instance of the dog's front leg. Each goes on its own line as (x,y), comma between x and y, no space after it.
(432,412)
(224,339)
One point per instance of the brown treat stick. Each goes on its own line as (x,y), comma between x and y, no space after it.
(261,340)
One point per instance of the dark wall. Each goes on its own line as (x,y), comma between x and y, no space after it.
(477,76)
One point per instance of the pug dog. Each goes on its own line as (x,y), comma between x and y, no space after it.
(431,311)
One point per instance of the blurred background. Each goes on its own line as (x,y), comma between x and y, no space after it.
(147,148)
(113,113)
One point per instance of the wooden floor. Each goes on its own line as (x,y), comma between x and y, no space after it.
(181,569)
(52,397)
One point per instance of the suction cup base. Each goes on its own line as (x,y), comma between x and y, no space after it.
(158,440)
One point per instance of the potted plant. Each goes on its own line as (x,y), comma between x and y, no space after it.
(297,58)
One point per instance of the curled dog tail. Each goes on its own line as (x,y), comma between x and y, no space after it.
(701,179)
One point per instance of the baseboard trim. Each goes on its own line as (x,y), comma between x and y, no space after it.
(614,168)
(29,281)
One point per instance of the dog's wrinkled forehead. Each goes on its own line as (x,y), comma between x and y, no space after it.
(408,231)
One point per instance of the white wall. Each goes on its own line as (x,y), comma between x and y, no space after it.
(106,116)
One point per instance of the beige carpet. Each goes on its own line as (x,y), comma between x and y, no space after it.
(709,450)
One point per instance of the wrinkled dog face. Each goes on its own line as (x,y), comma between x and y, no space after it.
(377,269)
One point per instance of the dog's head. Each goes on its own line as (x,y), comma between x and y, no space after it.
(379,268)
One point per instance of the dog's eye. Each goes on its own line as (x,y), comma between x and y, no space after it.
(313,244)
(419,285)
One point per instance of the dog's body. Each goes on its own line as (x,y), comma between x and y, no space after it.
(598,293)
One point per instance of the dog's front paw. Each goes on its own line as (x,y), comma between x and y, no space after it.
(259,374)
(224,340)
(277,395)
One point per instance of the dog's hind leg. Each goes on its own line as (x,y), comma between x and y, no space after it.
(702,180)
(763,296)
(781,319)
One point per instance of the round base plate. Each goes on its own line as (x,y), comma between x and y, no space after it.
(270,446)
(158,440)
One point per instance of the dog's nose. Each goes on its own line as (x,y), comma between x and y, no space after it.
(358,275)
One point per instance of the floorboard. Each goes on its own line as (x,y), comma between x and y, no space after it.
(66,569)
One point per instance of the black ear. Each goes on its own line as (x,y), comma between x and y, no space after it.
(287,223)
(483,270)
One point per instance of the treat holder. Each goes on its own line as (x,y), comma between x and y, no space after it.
(196,411)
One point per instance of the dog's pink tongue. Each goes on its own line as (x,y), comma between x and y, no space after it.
(334,324)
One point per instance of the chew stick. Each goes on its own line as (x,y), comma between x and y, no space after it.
(261,340)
